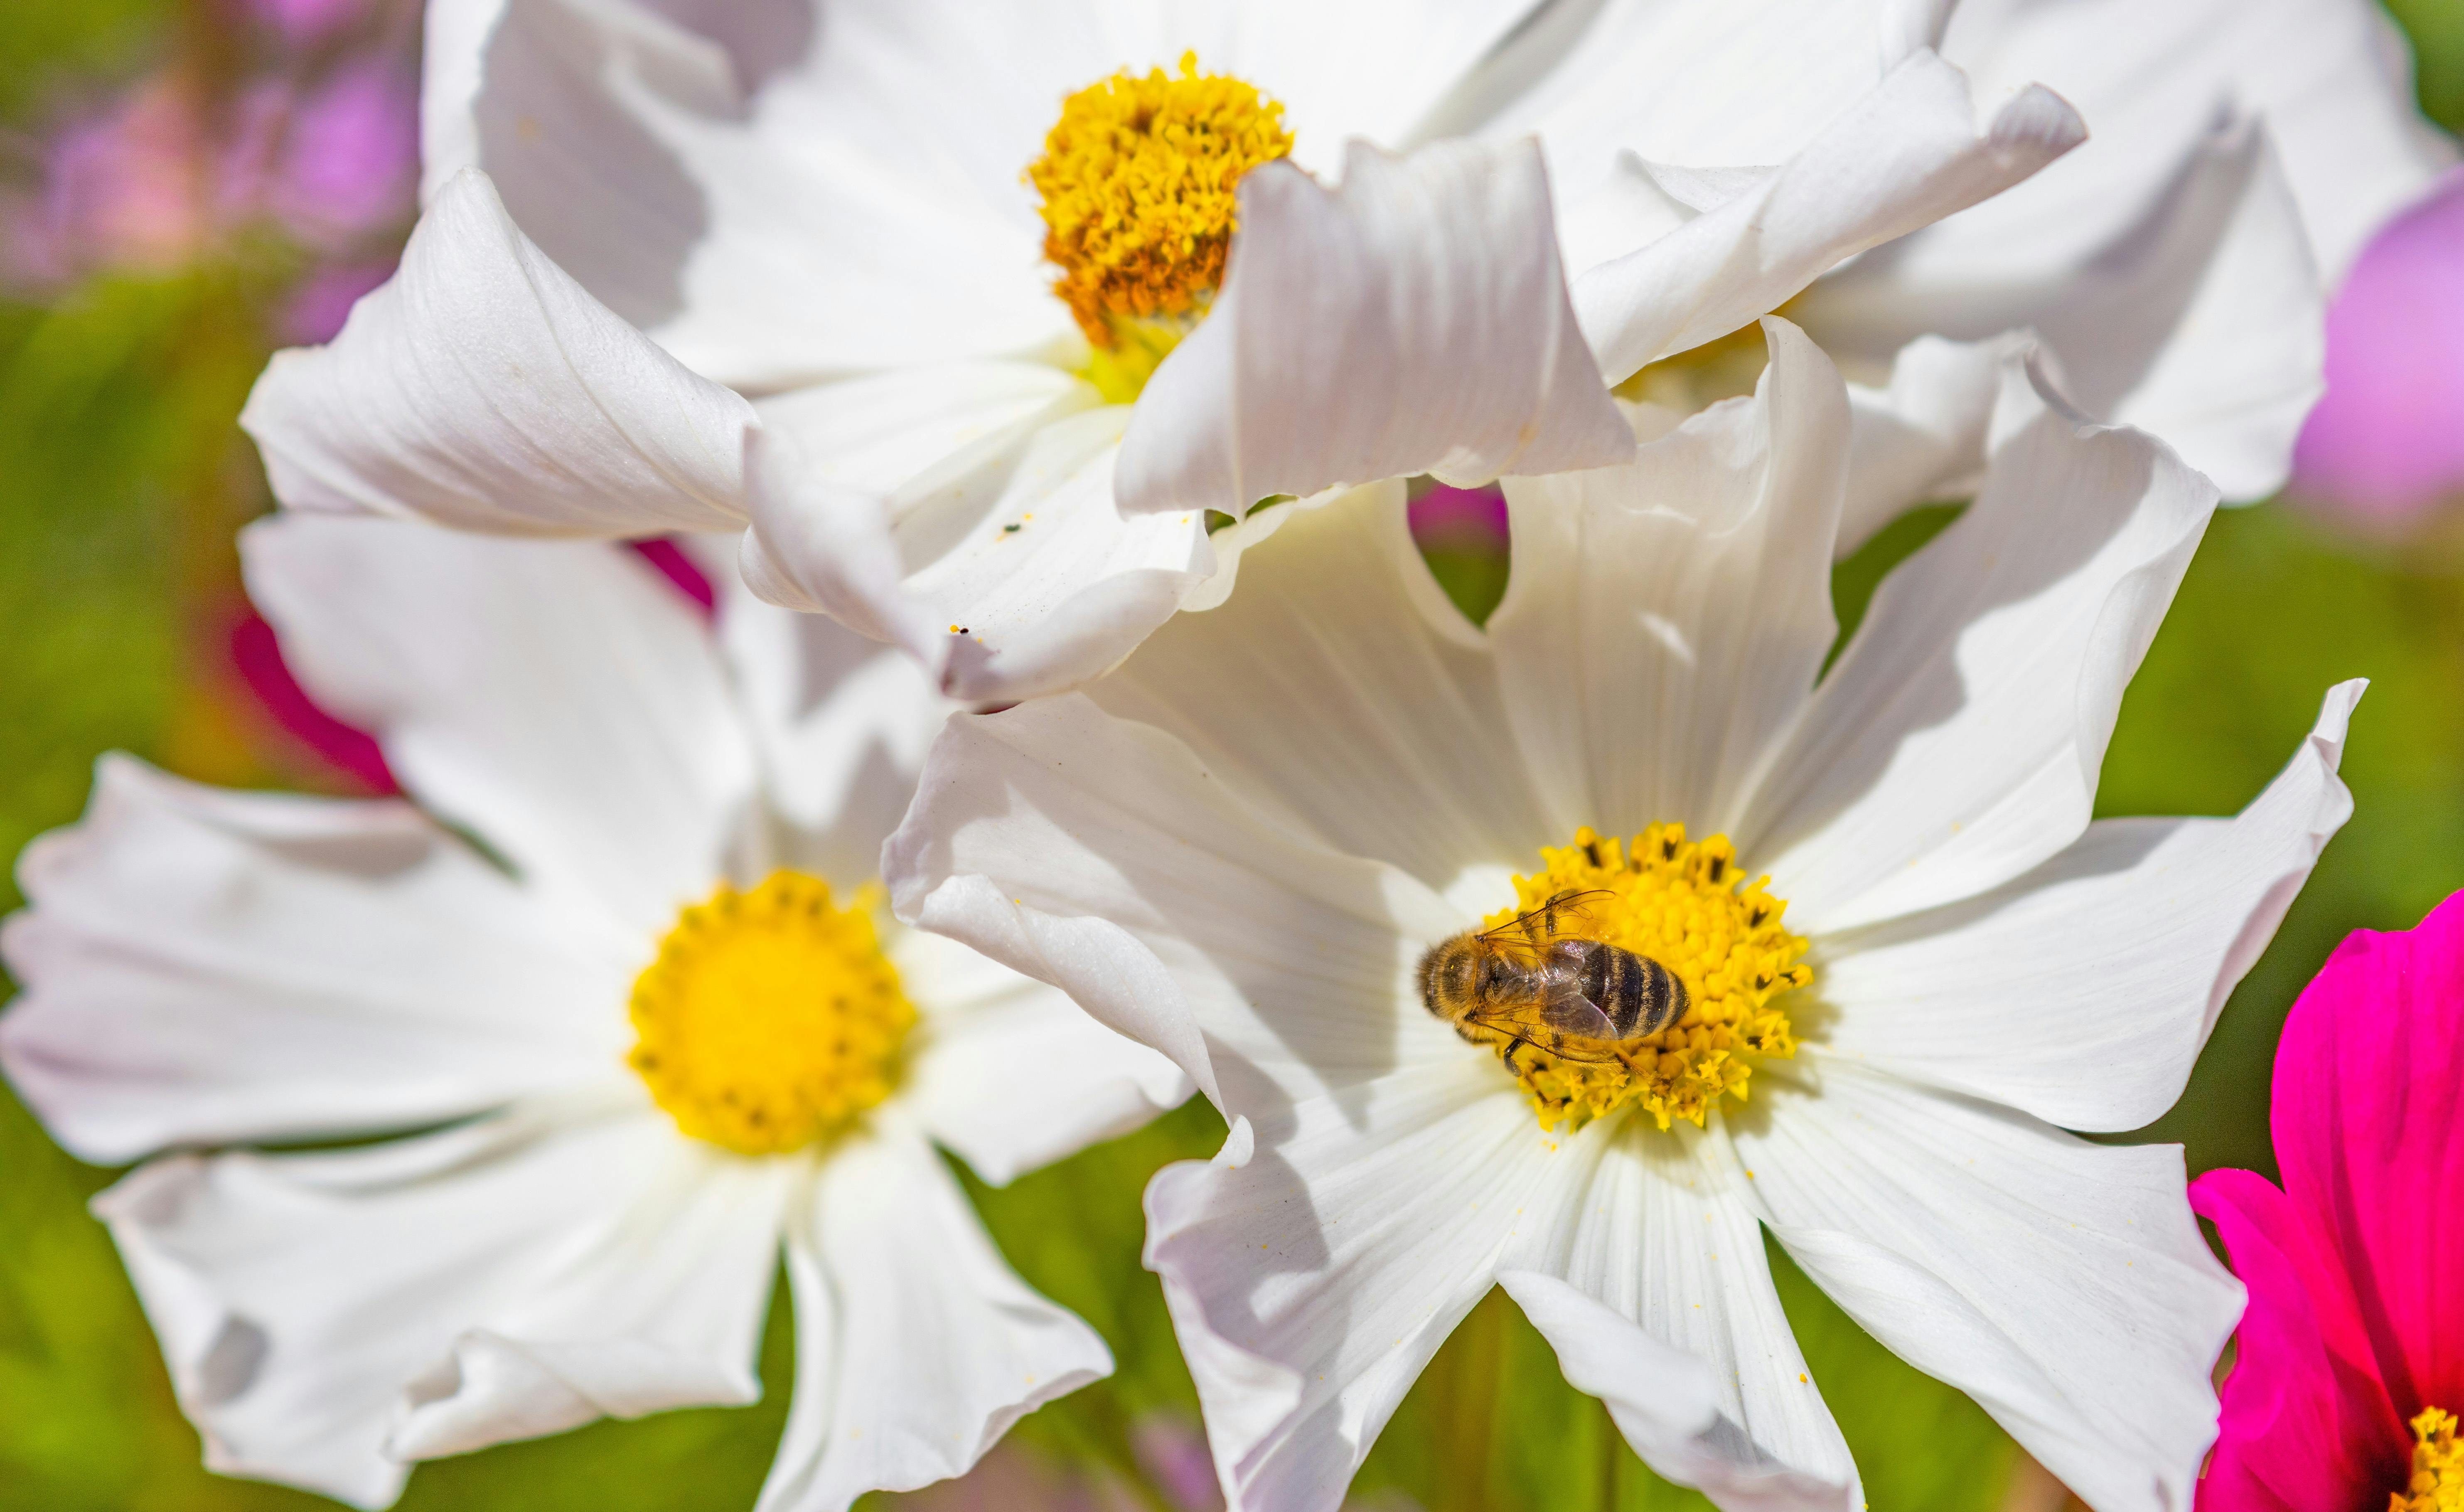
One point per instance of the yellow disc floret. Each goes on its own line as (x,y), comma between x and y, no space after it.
(2437,1483)
(771,1019)
(1685,904)
(1138,178)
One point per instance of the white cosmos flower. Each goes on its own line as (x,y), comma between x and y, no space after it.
(207,969)
(1238,845)
(788,270)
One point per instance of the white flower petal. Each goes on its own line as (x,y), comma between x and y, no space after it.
(1013,1075)
(843,723)
(556,697)
(927,428)
(1656,1253)
(1667,1401)
(1098,855)
(1955,742)
(1411,320)
(1910,154)
(2082,992)
(2332,78)
(916,1345)
(1732,81)
(545,96)
(1341,689)
(1032,583)
(483,388)
(1923,435)
(1307,53)
(1665,621)
(202,966)
(1314,1273)
(2201,322)
(326,1315)
(2062,1284)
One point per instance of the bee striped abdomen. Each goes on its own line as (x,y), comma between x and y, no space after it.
(1638,995)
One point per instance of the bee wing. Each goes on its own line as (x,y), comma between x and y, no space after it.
(1568,1011)
(1549,1024)
(1574,917)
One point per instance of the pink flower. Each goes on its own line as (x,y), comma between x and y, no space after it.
(2387,442)
(2353,1346)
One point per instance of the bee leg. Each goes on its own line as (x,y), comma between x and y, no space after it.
(1520,1043)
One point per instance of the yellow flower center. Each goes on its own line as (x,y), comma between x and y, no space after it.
(1684,905)
(1138,178)
(2437,1483)
(771,1020)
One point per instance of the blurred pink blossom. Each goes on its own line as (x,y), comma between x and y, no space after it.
(314,136)
(305,22)
(2387,443)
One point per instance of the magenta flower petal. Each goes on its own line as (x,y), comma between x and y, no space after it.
(2388,440)
(2368,1123)
(258,656)
(2305,1416)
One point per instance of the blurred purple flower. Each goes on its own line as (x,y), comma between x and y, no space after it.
(322,302)
(349,154)
(2387,443)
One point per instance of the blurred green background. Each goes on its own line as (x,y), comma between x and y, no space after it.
(121,479)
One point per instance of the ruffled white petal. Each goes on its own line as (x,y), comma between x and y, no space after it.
(1016,577)
(483,388)
(1923,435)
(1013,1076)
(2082,992)
(2062,1284)
(1340,688)
(1956,742)
(916,1345)
(327,1317)
(2201,322)
(1408,322)
(1411,320)
(1911,153)
(1100,856)
(543,95)
(1665,621)
(202,966)
(1314,1266)
(2332,78)
(1651,1282)
(556,697)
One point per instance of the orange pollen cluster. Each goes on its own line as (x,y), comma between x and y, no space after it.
(1138,179)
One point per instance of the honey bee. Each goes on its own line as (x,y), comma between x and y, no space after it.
(1541,981)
